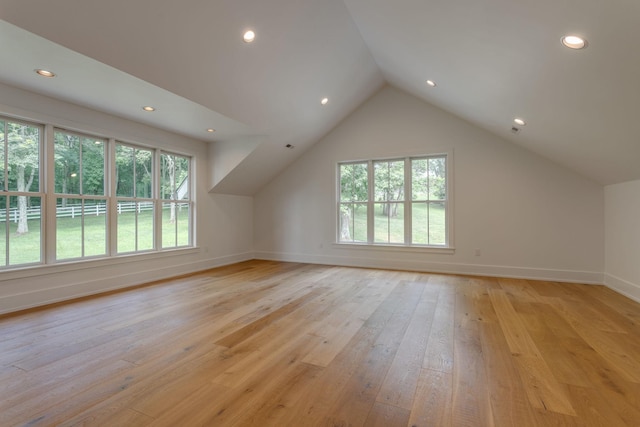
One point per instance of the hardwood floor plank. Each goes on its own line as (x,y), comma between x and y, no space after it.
(433,404)
(383,415)
(359,394)
(278,404)
(623,358)
(541,386)
(439,352)
(127,417)
(509,401)
(50,405)
(471,397)
(399,386)
(341,328)
(230,346)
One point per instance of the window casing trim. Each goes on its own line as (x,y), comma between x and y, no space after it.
(448,248)
(48,263)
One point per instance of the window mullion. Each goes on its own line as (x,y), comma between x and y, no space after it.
(112,200)
(370,202)
(408,196)
(49,200)
(155,185)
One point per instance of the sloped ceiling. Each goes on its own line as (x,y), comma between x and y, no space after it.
(492,60)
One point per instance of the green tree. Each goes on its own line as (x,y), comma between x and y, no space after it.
(23,158)
(354,188)
(175,170)
(389,185)
(428,179)
(133,171)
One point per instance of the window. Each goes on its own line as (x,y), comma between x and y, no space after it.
(134,198)
(429,201)
(394,202)
(175,199)
(354,198)
(389,191)
(100,197)
(81,202)
(21,197)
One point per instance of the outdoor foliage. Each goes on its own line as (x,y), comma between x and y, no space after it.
(81,177)
(19,160)
(427,187)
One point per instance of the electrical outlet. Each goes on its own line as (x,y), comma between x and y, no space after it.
(477,252)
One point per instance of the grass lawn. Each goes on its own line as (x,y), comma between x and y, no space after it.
(428,224)
(24,249)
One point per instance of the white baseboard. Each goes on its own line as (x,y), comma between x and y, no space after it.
(624,287)
(50,295)
(585,277)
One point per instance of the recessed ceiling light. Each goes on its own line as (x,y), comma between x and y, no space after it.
(574,42)
(45,73)
(249,36)
(519,121)
(324,101)
(431,83)
(148,108)
(211,130)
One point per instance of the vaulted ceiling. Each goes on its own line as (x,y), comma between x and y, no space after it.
(491,60)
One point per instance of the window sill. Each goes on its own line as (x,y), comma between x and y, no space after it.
(396,248)
(82,264)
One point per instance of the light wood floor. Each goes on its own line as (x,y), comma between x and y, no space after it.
(276,344)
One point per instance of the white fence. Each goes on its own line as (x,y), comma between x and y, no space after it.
(72,211)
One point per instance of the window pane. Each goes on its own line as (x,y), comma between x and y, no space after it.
(4,230)
(67,155)
(23,157)
(3,135)
(24,233)
(437,224)
(95,227)
(353,222)
(388,180)
(389,223)
(93,166)
(437,179)
(68,228)
(182,178)
(174,180)
(124,170)
(354,182)
(346,222)
(419,179)
(144,173)
(346,183)
(182,218)
(168,225)
(419,223)
(380,223)
(126,226)
(145,226)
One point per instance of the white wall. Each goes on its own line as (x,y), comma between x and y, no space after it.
(529,217)
(622,238)
(224,224)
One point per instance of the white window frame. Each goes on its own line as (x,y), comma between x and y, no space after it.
(153,200)
(447,248)
(53,196)
(48,198)
(162,201)
(41,193)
